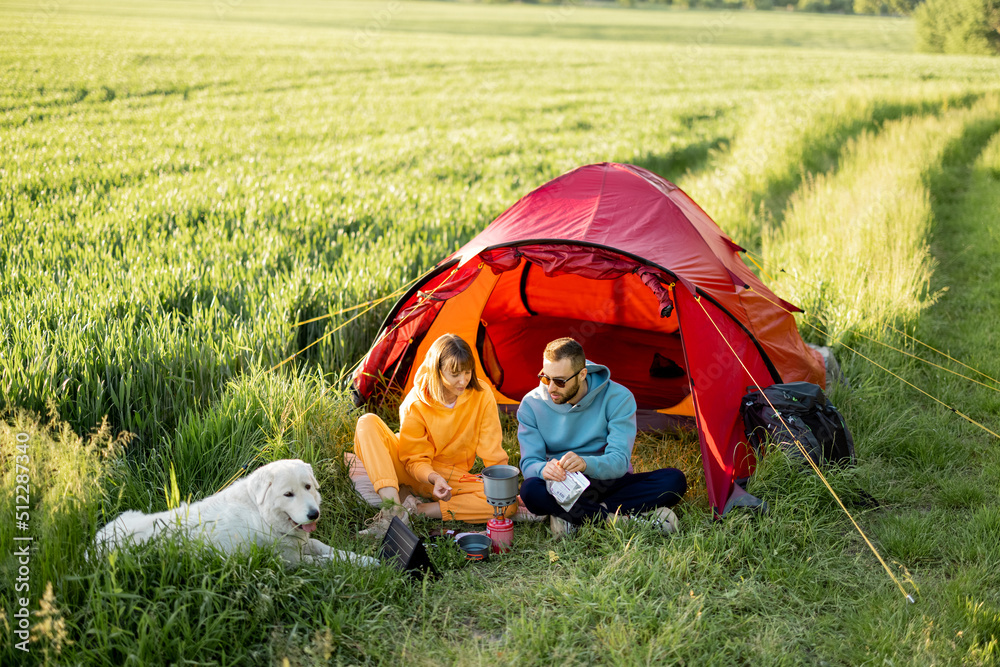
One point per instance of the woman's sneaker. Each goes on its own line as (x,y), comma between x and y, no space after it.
(378,525)
(410,504)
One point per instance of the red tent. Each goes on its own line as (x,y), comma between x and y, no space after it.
(626,263)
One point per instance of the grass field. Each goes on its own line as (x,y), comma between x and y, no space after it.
(182,183)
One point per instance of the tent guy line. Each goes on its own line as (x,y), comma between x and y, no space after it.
(944,354)
(931,363)
(244,468)
(370,304)
(814,466)
(612,255)
(426,297)
(947,356)
(325,336)
(907,382)
(350,308)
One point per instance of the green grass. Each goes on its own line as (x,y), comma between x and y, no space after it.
(368,21)
(182,183)
(854,245)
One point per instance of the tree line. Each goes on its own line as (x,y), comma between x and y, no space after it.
(943,26)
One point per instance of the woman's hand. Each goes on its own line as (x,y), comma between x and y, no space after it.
(441,489)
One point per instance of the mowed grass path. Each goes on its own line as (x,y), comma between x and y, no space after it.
(181,184)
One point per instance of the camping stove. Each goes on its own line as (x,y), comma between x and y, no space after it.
(498,507)
(500,531)
(500,486)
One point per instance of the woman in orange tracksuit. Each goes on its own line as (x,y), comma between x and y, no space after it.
(446,420)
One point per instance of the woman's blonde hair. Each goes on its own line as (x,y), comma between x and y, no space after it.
(451,353)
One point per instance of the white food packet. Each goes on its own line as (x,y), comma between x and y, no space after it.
(568,490)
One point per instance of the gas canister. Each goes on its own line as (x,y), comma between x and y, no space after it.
(501,534)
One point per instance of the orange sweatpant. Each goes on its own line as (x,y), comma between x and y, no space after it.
(378,449)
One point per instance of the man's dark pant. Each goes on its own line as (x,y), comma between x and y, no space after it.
(630,494)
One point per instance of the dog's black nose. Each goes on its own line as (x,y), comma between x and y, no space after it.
(313,514)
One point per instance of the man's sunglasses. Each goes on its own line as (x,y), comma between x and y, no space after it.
(559,382)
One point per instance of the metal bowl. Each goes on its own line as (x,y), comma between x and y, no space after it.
(475,546)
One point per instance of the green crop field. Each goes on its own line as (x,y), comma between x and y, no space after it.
(183,183)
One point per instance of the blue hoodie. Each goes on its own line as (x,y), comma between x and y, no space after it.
(600,428)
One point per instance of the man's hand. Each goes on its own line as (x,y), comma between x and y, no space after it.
(556,470)
(571,462)
(441,489)
(553,471)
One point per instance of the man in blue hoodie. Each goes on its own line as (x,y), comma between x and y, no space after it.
(578,420)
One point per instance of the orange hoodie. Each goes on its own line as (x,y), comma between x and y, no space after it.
(435,438)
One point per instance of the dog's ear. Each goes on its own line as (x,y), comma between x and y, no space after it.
(260,484)
(312,479)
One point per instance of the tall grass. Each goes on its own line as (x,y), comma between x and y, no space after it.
(796,137)
(854,245)
(66,478)
(218,194)
(180,186)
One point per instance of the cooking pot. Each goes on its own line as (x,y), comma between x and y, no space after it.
(500,484)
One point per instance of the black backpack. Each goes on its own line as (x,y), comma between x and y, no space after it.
(803,414)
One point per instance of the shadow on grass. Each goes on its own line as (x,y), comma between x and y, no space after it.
(693,157)
(820,152)
(964,245)
(820,155)
(948,185)
(965,266)
(823,154)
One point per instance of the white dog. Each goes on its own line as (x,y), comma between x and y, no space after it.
(277,504)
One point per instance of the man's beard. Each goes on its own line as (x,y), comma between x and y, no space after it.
(566,399)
